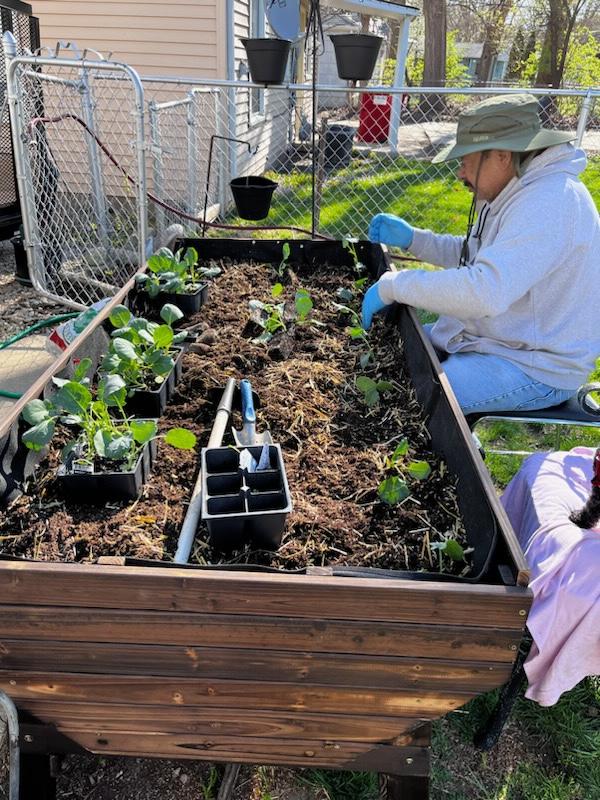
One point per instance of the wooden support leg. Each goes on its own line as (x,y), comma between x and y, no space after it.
(36,781)
(229,780)
(405,787)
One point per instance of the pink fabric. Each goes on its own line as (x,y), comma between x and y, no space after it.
(564,620)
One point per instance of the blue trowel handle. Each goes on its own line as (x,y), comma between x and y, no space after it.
(248,412)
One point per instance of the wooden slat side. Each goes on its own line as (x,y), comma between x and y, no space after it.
(275,665)
(263,633)
(186,692)
(98,718)
(307,753)
(80,585)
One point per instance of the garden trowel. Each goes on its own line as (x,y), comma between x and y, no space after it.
(248,435)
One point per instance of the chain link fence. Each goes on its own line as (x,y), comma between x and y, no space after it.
(107,162)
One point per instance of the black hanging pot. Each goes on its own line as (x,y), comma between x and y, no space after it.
(252,196)
(267,59)
(356,54)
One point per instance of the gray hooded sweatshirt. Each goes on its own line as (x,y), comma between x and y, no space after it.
(530,291)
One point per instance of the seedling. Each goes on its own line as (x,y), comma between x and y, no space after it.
(101,436)
(451,549)
(349,243)
(269,316)
(371,389)
(285,251)
(394,488)
(141,351)
(177,273)
(304,305)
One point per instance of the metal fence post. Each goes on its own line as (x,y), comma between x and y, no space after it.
(32,243)
(157,171)
(586,109)
(144,247)
(192,147)
(93,151)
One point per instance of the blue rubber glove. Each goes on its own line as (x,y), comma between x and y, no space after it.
(372,304)
(388,229)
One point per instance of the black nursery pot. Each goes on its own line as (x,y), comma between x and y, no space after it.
(252,196)
(356,54)
(267,59)
(150,403)
(188,303)
(21,267)
(240,506)
(99,487)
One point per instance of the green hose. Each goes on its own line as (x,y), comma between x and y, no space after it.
(44,323)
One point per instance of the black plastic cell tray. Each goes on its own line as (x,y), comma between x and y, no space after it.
(101,487)
(152,402)
(242,507)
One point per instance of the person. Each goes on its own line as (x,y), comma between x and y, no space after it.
(517,302)
(561,542)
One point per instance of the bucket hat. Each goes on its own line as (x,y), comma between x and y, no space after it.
(507,122)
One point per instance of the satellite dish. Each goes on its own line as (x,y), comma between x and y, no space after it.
(284,18)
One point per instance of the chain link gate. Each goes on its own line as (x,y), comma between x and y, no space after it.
(78,137)
(107,161)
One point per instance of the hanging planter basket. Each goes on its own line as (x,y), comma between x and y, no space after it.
(267,59)
(252,196)
(356,54)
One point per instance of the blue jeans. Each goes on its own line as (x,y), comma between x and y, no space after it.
(483,382)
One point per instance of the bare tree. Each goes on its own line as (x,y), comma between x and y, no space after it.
(434,67)
(562,16)
(494,25)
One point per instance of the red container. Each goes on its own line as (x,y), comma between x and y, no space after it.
(374,117)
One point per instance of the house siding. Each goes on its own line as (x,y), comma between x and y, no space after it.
(184,38)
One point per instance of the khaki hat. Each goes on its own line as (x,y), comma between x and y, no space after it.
(507,122)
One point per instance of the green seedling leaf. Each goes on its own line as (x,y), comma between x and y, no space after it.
(450,548)
(419,470)
(356,333)
(210,272)
(286,250)
(401,450)
(393,490)
(146,336)
(181,438)
(364,360)
(36,411)
(359,284)
(143,430)
(160,363)
(345,295)
(365,384)
(163,336)
(120,317)
(304,304)
(124,349)
(110,363)
(384,386)
(179,337)
(82,369)
(59,381)
(276,290)
(73,397)
(37,438)
(111,445)
(67,450)
(112,390)
(170,313)
(191,257)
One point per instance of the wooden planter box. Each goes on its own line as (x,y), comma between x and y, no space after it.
(148,659)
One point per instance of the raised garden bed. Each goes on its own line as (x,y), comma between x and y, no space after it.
(338,661)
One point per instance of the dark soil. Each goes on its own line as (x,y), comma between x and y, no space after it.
(334,446)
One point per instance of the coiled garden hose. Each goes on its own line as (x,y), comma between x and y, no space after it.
(43,323)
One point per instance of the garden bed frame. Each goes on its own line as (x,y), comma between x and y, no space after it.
(304,670)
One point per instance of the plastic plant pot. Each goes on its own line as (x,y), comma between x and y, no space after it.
(267,59)
(188,303)
(149,403)
(338,146)
(21,268)
(252,195)
(356,54)
(241,507)
(91,488)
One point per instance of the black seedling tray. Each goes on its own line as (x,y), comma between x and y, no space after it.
(152,402)
(240,506)
(100,487)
